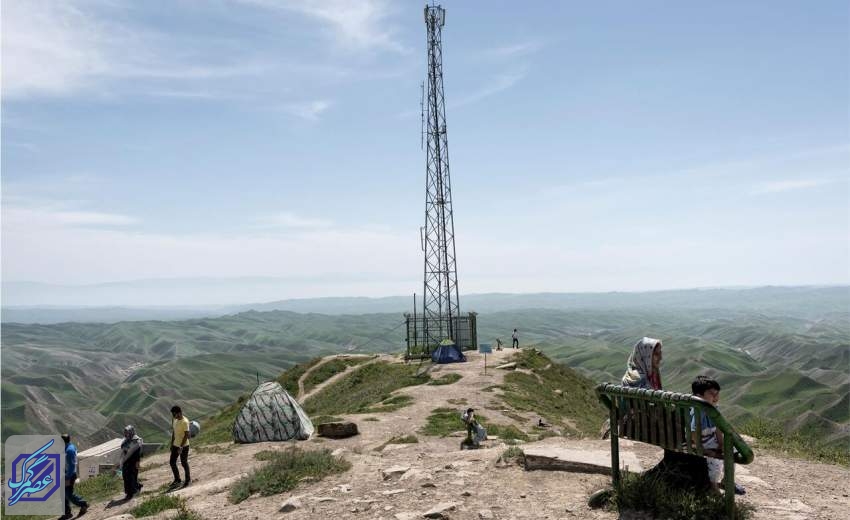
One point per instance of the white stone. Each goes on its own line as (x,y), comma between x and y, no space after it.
(394,471)
(440,509)
(391,492)
(486,514)
(290,505)
(579,461)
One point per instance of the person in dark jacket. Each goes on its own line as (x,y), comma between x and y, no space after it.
(71,480)
(131,456)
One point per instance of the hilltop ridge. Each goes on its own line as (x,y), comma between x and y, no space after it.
(407,460)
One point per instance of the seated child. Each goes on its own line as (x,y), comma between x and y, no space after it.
(712,438)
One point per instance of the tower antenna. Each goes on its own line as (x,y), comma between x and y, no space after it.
(441,303)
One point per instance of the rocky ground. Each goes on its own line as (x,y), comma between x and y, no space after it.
(408,481)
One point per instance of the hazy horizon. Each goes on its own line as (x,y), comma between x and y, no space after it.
(188,293)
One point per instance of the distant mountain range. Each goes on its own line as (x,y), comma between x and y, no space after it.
(782,353)
(803,301)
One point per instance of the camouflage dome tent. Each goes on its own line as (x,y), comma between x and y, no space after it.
(271,414)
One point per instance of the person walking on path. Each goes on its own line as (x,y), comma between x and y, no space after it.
(179,446)
(71,480)
(131,456)
(515,338)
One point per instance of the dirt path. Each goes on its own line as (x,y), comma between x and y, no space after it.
(479,486)
(301,396)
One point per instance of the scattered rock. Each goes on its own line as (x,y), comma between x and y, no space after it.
(388,508)
(337,452)
(429,485)
(466,494)
(439,511)
(122,517)
(290,505)
(323,499)
(599,498)
(406,515)
(394,471)
(338,430)
(486,514)
(559,391)
(342,488)
(507,366)
(522,495)
(391,492)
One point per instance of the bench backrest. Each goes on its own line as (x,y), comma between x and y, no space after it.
(664,420)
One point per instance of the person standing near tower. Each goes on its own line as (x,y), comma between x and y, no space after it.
(515,338)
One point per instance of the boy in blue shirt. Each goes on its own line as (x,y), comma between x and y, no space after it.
(71,479)
(712,438)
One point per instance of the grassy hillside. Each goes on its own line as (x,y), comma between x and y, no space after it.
(94,378)
(91,378)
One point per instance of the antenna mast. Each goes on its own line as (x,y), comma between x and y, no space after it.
(441,306)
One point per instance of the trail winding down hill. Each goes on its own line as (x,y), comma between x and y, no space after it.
(403,481)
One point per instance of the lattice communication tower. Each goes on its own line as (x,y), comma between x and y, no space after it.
(441,303)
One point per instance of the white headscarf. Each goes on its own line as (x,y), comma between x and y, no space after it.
(640,361)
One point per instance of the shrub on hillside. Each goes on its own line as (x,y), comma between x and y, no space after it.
(284,470)
(651,495)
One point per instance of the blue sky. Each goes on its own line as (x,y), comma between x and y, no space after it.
(594,146)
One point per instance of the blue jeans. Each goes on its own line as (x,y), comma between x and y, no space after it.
(70,497)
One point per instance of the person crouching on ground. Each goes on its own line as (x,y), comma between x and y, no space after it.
(179,446)
(131,456)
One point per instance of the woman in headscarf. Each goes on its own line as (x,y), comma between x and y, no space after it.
(643,369)
(131,455)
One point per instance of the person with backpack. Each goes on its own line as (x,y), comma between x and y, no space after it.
(131,456)
(179,446)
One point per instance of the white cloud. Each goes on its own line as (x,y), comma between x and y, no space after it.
(360,24)
(15,217)
(59,48)
(790,185)
(310,110)
(513,50)
(498,84)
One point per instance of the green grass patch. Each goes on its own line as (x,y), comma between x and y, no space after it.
(289,379)
(504,431)
(490,388)
(184,513)
(512,454)
(442,422)
(403,439)
(771,435)
(535,393)
(100,487)
(284,470)
(653,496)
(367,389)
(447,379)
(155,504)
(329,369)
(322,419)
(219,427)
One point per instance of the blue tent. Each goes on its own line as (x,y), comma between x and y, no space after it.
(447,352)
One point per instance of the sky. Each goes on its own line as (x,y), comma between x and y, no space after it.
(603,146)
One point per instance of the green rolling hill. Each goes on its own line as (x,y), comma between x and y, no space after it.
(786,357)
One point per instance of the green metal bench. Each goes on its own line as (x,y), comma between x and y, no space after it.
(664,420)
